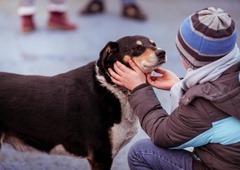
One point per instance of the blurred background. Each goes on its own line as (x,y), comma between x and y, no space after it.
(50,52)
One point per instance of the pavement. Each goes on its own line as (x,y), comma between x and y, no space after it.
(47,52)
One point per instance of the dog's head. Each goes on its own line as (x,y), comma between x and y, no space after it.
(140,49)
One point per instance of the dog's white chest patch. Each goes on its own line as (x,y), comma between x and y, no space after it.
(125,130)
(128,126)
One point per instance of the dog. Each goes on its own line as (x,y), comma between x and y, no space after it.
(79,113)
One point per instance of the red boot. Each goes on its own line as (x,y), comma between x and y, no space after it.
(27,24)
(58,20)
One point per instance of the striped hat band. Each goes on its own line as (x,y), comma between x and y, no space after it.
(206,36)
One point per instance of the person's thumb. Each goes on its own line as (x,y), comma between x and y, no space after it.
(150,79)
(160,70)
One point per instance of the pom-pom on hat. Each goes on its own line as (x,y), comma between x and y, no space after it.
(206,36)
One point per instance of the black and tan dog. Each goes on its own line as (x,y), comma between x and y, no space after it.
(81,112)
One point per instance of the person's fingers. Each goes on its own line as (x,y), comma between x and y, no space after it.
(113,73)
(116,81)
(121,68)
(160,70)
(149,78)
(152,77)
(114,77)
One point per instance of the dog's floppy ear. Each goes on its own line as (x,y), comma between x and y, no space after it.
(110,48)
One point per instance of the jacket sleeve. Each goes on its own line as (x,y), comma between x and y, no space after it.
(165,130)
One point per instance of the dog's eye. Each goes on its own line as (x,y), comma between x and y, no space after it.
(137,50)
(154,44)
(137,47)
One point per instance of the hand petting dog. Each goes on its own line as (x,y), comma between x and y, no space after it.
(124,75)
(131,78)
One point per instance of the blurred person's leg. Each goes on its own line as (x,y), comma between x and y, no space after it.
(132,10)
(27,11)
(93,7)
(58,16)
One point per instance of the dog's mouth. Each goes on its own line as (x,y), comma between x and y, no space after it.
(151,60)
(150,66)
(158,64)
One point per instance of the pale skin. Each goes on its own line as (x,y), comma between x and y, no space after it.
(131,78)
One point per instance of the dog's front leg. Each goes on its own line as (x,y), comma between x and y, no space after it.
(100,160)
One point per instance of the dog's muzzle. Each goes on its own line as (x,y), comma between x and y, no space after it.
(160,53)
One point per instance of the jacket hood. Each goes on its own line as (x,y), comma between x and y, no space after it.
(224,93)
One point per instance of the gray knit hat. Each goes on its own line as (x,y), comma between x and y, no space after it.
(206,36)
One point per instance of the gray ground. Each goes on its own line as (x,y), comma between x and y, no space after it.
(46,52)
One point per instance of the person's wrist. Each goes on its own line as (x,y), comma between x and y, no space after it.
(140,86)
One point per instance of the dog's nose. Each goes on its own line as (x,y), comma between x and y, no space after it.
(160,53)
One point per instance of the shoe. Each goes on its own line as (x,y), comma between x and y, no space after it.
(93,7)
(27,24)
(58,20)
(132,11)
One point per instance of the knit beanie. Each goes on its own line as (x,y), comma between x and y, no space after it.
(206,36)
